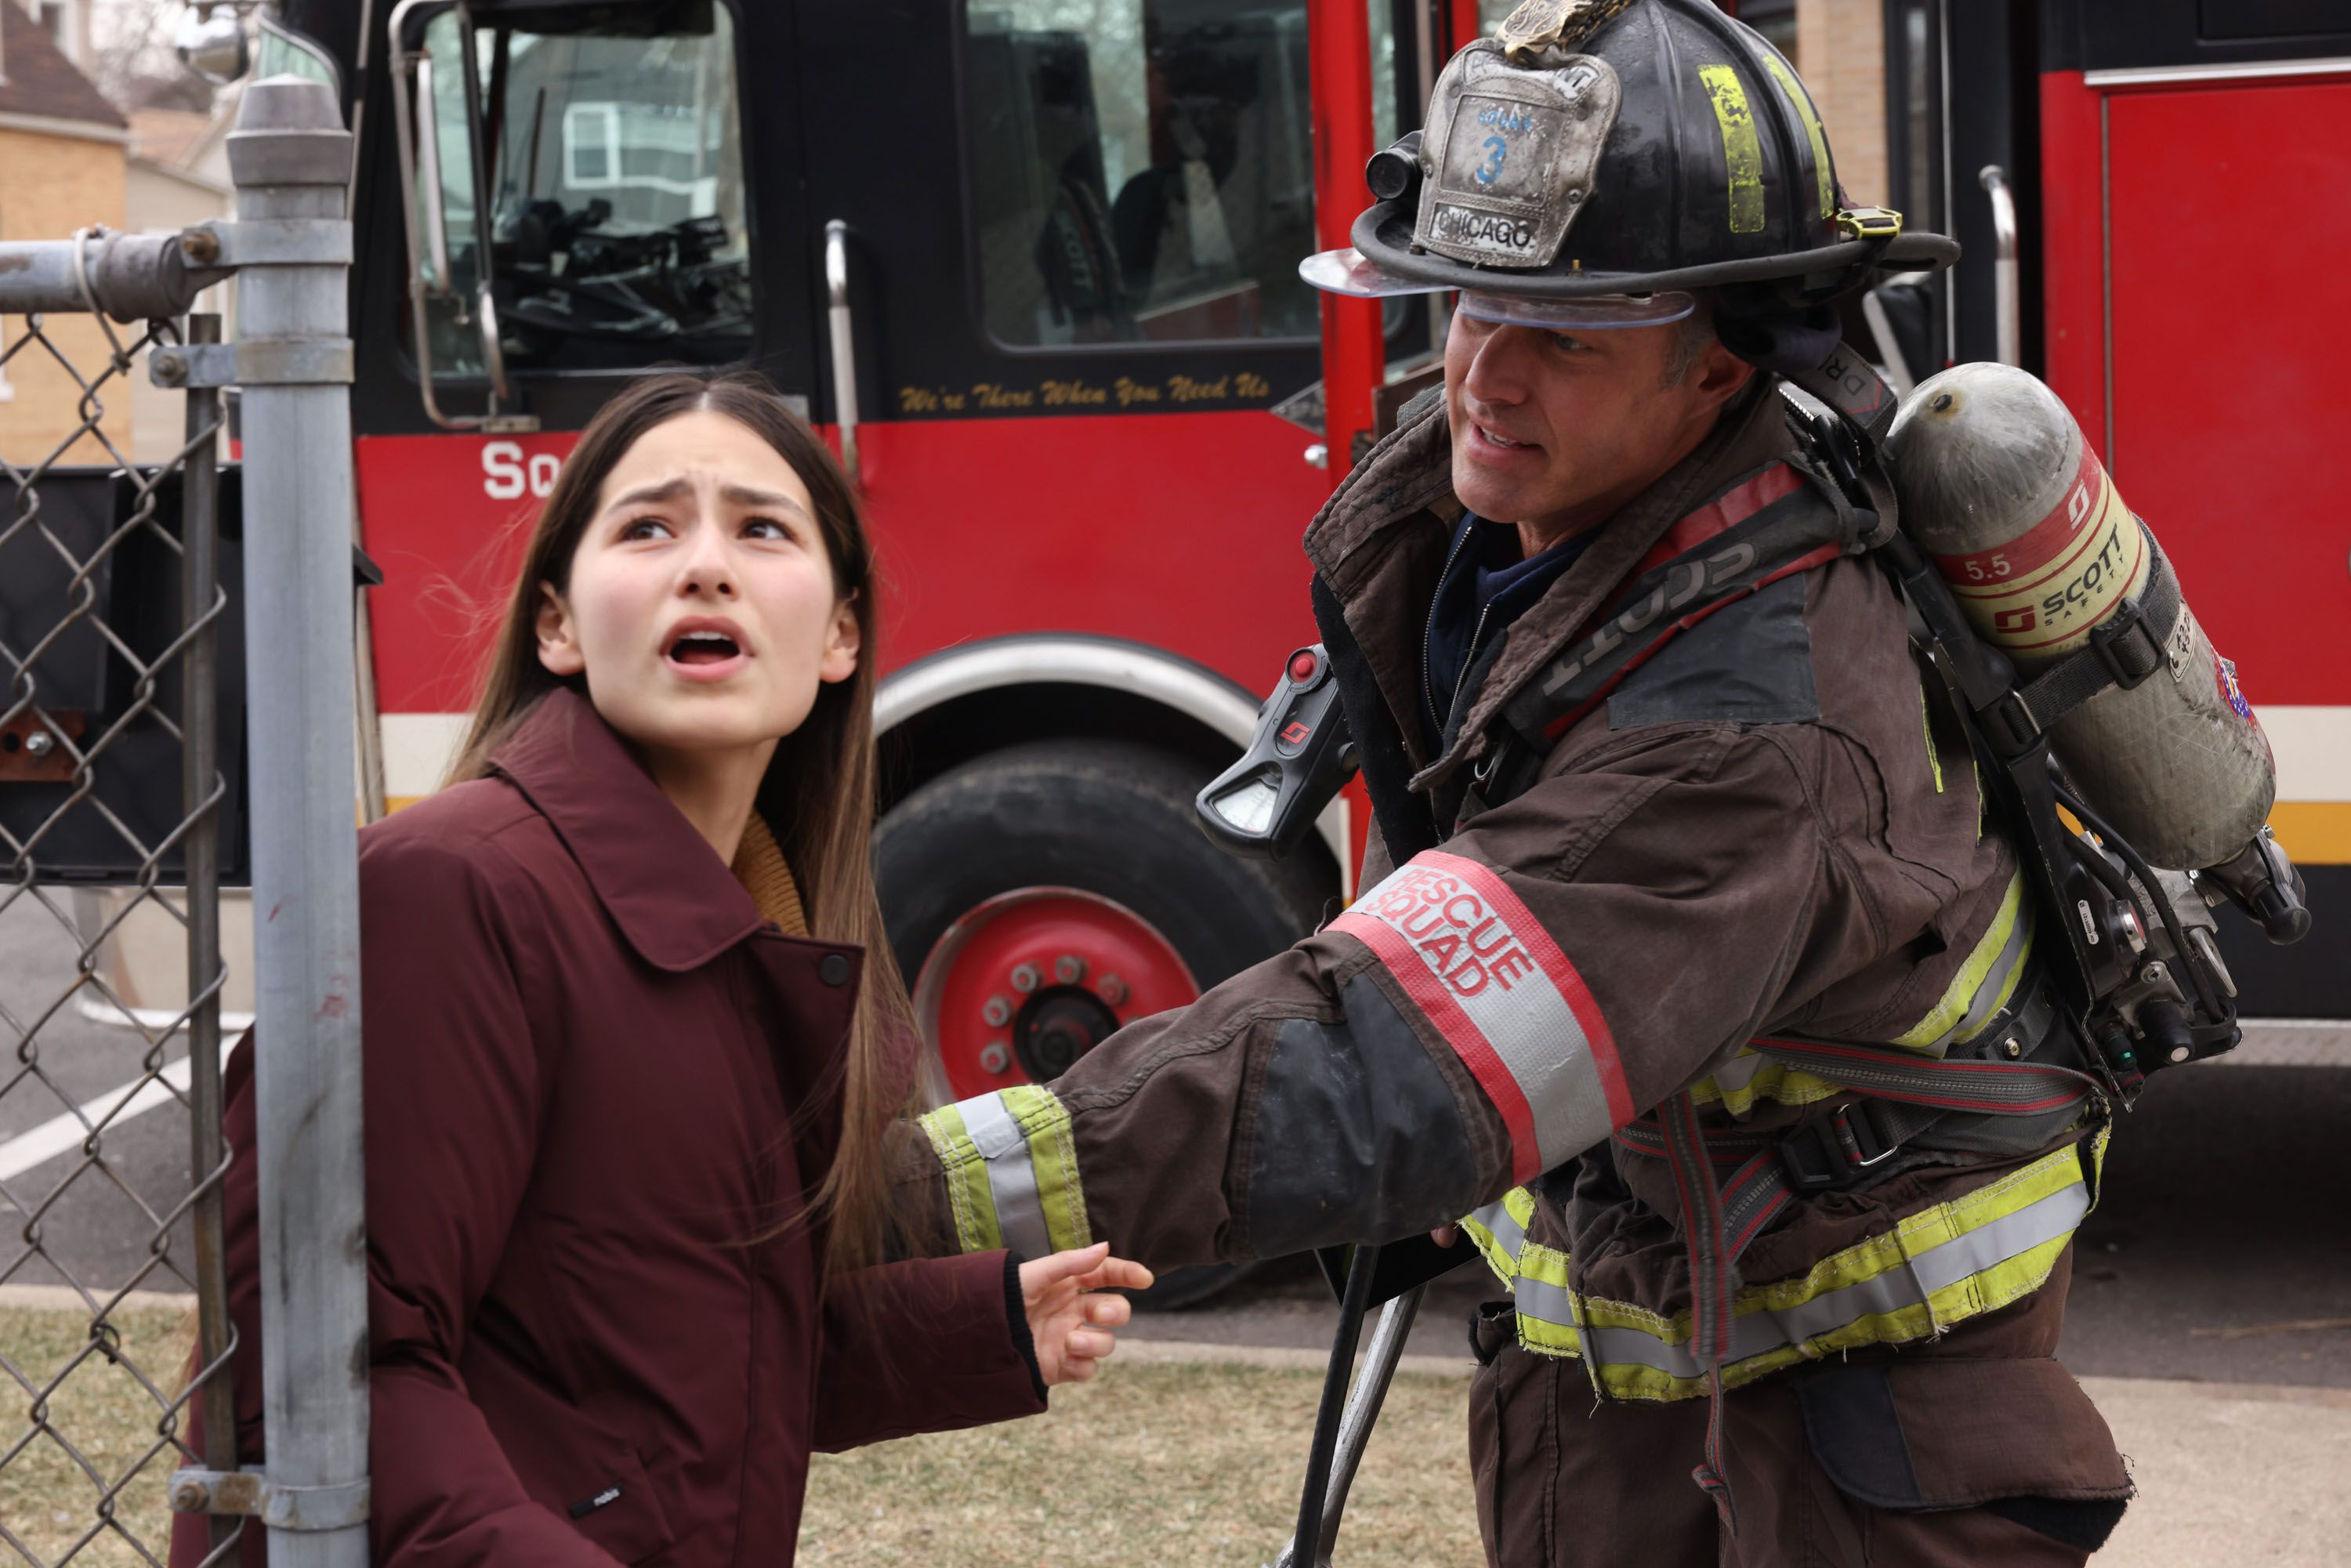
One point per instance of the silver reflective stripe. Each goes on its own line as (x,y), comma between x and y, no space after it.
(1503,1226)
(1988,997)
(1754,1334)
(1541,1299)
(1011,1178)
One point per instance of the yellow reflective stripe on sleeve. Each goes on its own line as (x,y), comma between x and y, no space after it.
(1802,101)
(966,1181)
(1938,1268)
(1984,982)
(1012,1171)
(1741,151)
(1500,1229)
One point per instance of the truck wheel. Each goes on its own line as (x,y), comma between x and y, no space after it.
(1041,896)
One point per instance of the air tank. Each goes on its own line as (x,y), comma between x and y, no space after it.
(1998,485)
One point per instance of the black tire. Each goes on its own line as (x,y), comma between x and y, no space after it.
(1110,818)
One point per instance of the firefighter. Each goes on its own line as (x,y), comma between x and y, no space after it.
(1695,970)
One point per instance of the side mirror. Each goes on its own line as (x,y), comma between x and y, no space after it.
(212,42)
(434,68)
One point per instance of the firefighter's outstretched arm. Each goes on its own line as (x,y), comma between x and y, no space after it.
(1485,1013)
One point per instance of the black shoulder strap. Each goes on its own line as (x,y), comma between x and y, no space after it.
(1801,531)
(1406,824)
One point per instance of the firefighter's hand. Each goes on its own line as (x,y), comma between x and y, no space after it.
(1446,1235)
(1068,1320)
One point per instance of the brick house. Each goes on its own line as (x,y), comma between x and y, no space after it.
(63,154)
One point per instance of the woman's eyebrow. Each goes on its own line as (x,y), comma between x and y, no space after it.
(742,496)
(735,494)
(645,495)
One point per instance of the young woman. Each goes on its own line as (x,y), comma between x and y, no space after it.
(634,1050)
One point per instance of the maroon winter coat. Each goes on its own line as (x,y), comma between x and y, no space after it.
(593,1071)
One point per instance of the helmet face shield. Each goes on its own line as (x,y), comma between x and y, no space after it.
(1600,311)
(1352,273)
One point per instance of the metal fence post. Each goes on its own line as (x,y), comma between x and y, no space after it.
(201,600)
(291,159)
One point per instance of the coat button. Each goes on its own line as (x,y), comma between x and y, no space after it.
(834,970)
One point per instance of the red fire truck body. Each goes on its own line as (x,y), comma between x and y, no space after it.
(1031,266)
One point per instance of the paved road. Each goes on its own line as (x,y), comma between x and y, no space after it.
(2224,1225)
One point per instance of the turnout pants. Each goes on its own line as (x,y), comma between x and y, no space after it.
(1972,1450)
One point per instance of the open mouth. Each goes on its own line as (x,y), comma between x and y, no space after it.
(705,649)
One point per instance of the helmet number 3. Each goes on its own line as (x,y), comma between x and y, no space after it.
(1493,166)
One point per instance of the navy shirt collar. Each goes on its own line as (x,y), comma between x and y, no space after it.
(1487,585)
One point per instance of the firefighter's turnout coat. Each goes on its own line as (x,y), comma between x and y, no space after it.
(1761,825)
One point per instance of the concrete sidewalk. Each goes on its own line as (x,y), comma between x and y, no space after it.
(2228,1473)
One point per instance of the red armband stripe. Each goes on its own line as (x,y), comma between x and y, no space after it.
(1481,968)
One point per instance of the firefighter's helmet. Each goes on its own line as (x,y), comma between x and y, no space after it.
(1598,159)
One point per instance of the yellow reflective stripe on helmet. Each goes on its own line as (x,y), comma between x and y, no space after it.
(1984,982)
(1500,1229)
(1802,101)
(1741,151)
(1011,1172)
(1939,1267)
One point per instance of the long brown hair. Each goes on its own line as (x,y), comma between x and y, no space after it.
(818,795)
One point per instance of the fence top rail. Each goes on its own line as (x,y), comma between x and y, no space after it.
(130,276)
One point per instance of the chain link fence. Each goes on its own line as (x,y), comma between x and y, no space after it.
(123,806)
(96,704)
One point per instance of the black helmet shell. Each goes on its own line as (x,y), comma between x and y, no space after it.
(1716,170)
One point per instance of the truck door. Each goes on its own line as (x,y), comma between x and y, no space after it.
(1071,237)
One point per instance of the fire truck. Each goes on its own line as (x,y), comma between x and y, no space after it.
(1032,265)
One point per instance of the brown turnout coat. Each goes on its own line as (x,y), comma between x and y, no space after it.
(594,1075)
(1767,826)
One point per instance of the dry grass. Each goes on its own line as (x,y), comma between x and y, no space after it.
(1169,1465)
(49,1501)
(1175,1466)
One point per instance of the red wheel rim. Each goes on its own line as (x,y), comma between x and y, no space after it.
(1027,981)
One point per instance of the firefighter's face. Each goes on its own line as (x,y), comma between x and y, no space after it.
(701,606)
(1555,430)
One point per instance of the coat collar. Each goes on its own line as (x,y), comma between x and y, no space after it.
(674,899)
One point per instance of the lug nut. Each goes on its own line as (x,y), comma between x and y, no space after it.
(996,1011)
(1069,968)
(1111,989)
(994,1057)
(1025,977)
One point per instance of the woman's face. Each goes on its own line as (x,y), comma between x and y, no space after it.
(701,607)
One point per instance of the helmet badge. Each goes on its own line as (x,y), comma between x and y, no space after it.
(1540,25)
(1512,153)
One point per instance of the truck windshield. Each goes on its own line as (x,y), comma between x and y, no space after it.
(614,151)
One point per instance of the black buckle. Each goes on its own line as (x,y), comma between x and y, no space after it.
(2010,726)
(1836,1152)
(2116,635)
